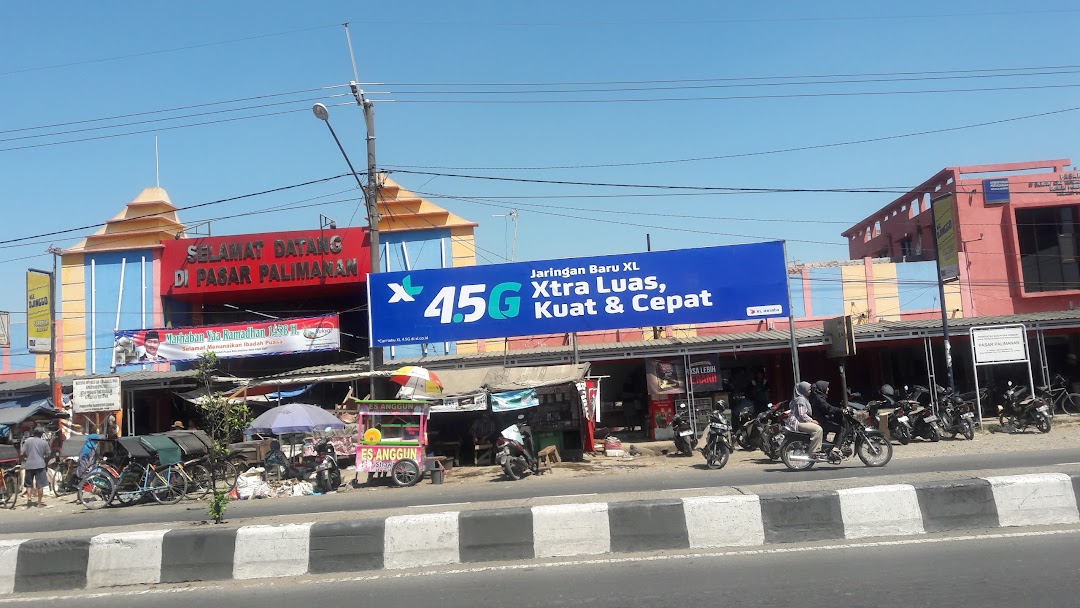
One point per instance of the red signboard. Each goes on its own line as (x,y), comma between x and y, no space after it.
(231,266)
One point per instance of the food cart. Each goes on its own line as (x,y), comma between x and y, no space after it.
(391,437)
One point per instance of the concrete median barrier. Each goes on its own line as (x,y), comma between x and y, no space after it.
(548,531)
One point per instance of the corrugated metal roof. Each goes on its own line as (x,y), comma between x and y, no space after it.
(132,379)
(774,339)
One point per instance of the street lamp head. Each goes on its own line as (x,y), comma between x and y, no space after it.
(320,112)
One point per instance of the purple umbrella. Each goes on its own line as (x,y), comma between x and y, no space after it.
(293,418)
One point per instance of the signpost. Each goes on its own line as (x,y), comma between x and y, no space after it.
(92,395)
(995,345)
(841,334)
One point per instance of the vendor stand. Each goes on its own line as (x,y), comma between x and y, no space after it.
(391,438)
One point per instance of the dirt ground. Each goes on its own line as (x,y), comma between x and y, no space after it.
(659,456)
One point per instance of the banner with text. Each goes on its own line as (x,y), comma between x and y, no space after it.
(713,284)
(948,260)
(277,337)
(91,395)
(38,311)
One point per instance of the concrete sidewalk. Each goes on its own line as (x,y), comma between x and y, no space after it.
(570,528)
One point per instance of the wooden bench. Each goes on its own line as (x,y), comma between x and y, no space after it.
(547,457)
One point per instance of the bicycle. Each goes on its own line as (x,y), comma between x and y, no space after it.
(9,491)
(167,486)
(1058,396)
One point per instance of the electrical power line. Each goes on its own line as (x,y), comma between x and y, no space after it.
(168,118)
(162,51)
(758,153)
(160,129)
(188,207)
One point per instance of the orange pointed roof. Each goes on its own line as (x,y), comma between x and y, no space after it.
(144,222)
(400,210)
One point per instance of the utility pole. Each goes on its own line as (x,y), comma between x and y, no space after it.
(371,197)
(946,199)
(54,388)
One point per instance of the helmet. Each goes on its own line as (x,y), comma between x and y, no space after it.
(887,390)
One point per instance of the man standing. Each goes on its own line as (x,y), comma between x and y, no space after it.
(35,453)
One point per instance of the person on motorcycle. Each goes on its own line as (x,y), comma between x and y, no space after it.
(830,417)
(802,418)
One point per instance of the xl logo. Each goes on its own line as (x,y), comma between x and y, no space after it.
(404,291)
(469,304)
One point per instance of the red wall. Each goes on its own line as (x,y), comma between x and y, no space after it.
(990,271)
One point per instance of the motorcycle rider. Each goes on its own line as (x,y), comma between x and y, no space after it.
(827,415)
(802,419)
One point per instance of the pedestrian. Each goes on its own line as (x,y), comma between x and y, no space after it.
(178,426)
(35,453)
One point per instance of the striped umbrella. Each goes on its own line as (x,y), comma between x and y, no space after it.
(417,379)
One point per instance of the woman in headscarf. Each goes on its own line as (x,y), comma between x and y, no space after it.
(802,418)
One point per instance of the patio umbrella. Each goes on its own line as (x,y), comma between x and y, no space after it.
(417,379)
(293,418)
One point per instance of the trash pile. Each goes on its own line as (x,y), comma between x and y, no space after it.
(251,484)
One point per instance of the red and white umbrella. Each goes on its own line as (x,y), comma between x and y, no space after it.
(417,379)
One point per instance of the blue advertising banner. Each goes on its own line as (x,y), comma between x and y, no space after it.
(996,191)
(514,400)
(712,284)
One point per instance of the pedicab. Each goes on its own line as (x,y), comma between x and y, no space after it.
(391,438)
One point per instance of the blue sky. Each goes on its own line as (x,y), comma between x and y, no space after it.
(92,60)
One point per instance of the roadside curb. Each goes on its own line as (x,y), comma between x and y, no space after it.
(565,530)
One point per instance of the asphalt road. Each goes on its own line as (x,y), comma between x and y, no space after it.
(1010,571)
(693,476)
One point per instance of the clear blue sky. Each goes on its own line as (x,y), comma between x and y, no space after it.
(92,60)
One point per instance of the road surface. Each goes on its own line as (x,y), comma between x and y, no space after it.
(994,568)
(694,475)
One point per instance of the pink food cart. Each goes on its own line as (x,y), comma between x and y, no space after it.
(391,437)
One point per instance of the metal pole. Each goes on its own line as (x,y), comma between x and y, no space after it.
(54,394)
(791,322)
(843,380)
(944,311)
(375,355)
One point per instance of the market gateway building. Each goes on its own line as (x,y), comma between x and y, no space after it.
(145,294)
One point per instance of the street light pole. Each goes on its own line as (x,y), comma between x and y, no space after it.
(371,194)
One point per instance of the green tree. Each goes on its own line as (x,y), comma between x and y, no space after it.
(222,419)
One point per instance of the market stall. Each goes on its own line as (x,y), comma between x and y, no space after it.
(391,439)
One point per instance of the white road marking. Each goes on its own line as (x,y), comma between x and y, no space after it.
(1066,464)
(569,495)
(319,580)
(443,504)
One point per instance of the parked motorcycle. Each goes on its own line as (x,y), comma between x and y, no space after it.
(718,445)
(771,422)
(871,445)
(925,423)
(899,421)
(515,452)
(1021,410)
(748,429)
(327,472)
(957,415)
(685,441)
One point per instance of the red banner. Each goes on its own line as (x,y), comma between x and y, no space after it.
(248,263)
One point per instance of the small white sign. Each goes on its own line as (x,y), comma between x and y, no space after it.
(999,344)
(5,330)
(91,395)
(763,311)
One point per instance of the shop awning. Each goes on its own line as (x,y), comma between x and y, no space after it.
(259,394)
(16,415)
(465,390)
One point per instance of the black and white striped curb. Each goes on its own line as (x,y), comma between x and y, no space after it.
(565,530)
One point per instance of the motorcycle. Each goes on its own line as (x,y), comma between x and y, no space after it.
(957,415)
(899,420)
(327,472)
(925,423)
(718,445)
(1020,411)
(685,442)
(871,445)
(515,453)
(771,422)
